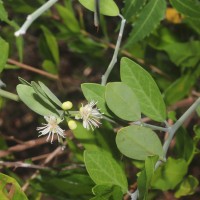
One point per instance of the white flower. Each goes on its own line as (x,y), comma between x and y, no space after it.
(90,115)
(50,128)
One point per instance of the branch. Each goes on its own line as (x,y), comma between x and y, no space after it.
(172,130)
(31,18)
(30,68)
(47,160)
(21,164)
(9,95)
(178,124)
(114,58)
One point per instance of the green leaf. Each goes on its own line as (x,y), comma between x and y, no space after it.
(105,137)
(145,88)
(10,189)
(131,8)
(103,169)
(19,40)
(179,89)
(184,147)
(138,142)
(96,92)
(23,81)
(184,54)
(87,138)
(149,18)
(150,163)
(145,177)
(107,192)
(4,50)
(187,187)
(50,94)
(39,91)
(50,67)
(122,101)
(162,37)
(107,7)
(193,23)
(101,138)
(3,12)
(189,8)
(170,174)
(196,130)
(52,44)
(67,184)
(34,102)
(67,15)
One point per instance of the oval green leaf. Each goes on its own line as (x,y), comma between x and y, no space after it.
(34,102)
(122,101)
(10,189)
(138,142)
(145,88)
(103,169)
(107,7)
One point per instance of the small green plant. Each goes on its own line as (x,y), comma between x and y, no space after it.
(133,106)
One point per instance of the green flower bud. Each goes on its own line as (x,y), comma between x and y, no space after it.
(72,124)
(67,105)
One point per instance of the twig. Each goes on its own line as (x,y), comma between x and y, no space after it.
(114,58)
(126,53)
(21,164)
(47,160)
(183,103)
(31,18)
(196,93)
(9,95)
(11,138)
(42,157)
(153,127)
(30,68)
(24,146)
(178,123)
(73,166)
(96,14)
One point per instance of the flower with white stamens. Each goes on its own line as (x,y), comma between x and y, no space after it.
(90,115)
(51,128)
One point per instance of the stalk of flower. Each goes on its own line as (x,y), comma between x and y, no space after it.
(2,84)
(90,115)
(50,128)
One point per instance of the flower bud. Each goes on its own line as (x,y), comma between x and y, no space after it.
(67,105)
(72,124)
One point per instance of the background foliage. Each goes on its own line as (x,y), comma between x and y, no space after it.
(65,51)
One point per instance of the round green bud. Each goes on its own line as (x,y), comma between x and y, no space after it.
(72,124)
(67,105)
